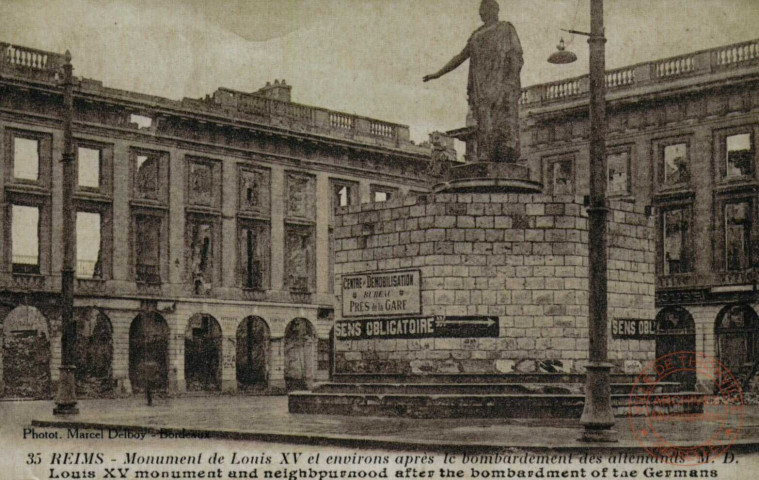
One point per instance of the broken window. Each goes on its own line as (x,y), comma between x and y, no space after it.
(147,247)
(88,160)
(618,169)
(146,178)
(299,258)
(253,190)
(737,235)
(26,158)
(201,184)
(88,245)
(251,259)
(382,194)
(201,261)
(301,196)
(562,178)
(141,121)
(253,253)
(25,255)
(676,232)
(250,191)
(343,194)
(739,155)
(675,168)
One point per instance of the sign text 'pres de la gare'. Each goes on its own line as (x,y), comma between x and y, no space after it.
(379,294)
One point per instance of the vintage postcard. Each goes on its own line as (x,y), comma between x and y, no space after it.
(369,239)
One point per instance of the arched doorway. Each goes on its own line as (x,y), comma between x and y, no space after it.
(26,353)
(676,332)
(737,338)
(94,352)
(202,353)
(300,354)
(253,341)
(149,352)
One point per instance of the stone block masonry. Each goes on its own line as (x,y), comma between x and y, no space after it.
(522,258)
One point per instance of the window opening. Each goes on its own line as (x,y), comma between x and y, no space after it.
(147,247)
(737,239)
(26,158)
(88,167)
(147,175)
(738,155)
(676,164)
(142,121)
(25,239)
(676,230)
(618,164)
(88,245)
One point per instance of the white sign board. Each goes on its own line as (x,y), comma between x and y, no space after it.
(381,294)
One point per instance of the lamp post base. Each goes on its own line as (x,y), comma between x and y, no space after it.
(597,417)
(599,435)
(65,401)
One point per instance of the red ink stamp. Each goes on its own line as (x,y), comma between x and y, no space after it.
(685,428)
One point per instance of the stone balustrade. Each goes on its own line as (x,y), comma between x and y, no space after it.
(650,73)
(38,65)
(338,123)
(30,63)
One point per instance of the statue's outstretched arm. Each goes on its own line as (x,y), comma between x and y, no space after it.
(452,65)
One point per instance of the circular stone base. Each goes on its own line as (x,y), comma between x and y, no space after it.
(489,178)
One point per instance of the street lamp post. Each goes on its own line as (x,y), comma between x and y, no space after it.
(65,401)
(597,417)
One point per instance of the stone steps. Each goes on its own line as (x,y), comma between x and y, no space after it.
(458,378)
(477,388)
(444,405)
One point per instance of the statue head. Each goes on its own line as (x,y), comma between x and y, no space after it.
(489,11)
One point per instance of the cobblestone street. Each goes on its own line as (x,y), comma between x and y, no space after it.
(267,417)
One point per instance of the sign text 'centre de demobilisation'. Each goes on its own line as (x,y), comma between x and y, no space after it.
(381,294)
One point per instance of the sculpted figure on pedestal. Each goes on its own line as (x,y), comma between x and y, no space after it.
(495,62)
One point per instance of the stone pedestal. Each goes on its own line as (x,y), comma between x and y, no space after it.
(501,280)
(489,178)
(65,400)
(229,386)
(521,259)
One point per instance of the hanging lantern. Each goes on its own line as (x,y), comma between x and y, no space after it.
(562,56)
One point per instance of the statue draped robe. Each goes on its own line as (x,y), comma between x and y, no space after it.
(495,57)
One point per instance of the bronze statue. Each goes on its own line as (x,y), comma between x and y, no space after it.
(495,61)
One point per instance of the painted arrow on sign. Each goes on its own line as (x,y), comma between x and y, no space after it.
(442,321)
(466,326)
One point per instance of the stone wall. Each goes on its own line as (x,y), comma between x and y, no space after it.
(522,258)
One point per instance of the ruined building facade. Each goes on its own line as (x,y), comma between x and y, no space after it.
(205,226)
(682,139)
(203,231)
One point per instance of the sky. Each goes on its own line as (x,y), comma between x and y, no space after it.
(358,56)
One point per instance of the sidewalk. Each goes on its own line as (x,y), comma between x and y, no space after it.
(267,419)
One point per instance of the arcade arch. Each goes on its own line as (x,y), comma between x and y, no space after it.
(676,332)
(93,352)
(300,354)
(202,353)
(737,339)
(148,352)
(26,353)
(253,344)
